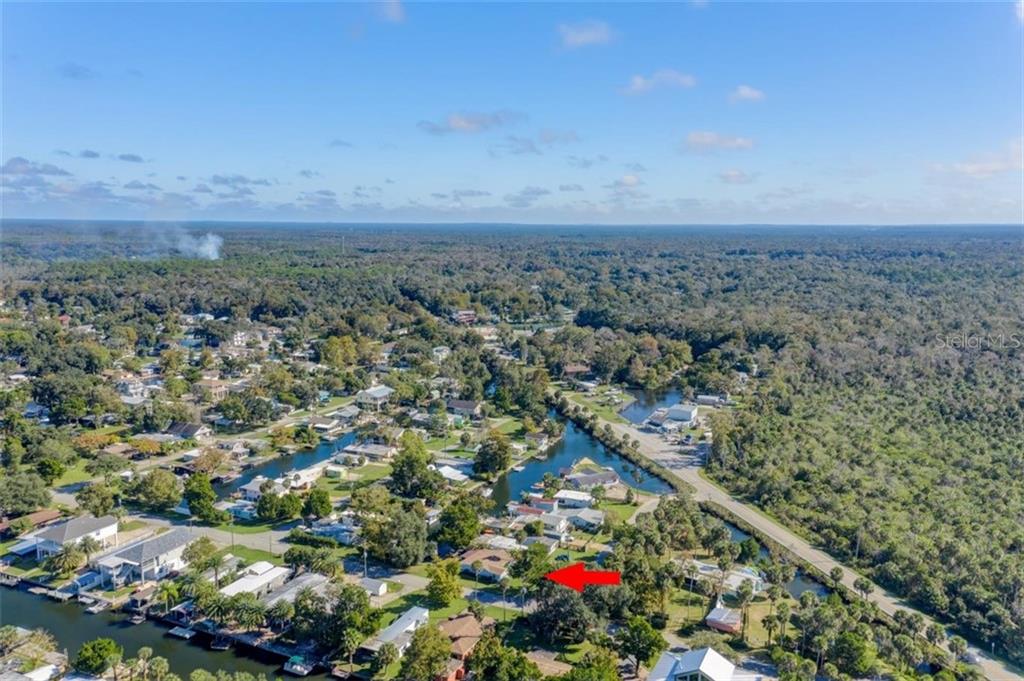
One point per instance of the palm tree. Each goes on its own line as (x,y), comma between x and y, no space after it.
(216,607)
(504,583)
(769,622)
(783,616)
(957,646)
(386,656)
(65,561)
(280,613)
(477,567)
(89,545)
(142,662)
(348,646)
(160,668)
(167,594)
(744,595)
(251,615)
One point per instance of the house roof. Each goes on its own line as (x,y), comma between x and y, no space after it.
(185,431)
(704,660)
(146,550)
(378,392)
(463,404)
(74,529)
(410,619)
(34,518)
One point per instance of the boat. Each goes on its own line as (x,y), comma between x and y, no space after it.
(86,600)
(220,643)
(97,608)
(182,632)
(297,666)
(519,469)
(137,618)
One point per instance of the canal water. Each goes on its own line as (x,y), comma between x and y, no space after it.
(279,465)
(575,444)
(72,626)
(646,401)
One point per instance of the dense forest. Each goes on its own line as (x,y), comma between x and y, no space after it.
(884,415)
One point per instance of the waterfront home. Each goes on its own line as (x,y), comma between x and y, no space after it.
(703,664)
(497,541)
(72,531)
(325,425)
(538,440)
(400,631)
(452,475)
(588,481)
(314,581)
(493,564)
(546,504)
(258,579)
(375,397)
(253,490)
(347,415)
(713,400)
(152,558)
(569,498)
(373,452)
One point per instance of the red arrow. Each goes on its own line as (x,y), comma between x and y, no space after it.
(576,577)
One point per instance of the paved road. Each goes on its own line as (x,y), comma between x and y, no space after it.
(686,466)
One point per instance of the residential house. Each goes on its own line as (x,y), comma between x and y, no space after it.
(548,665)
(307,580)
(588,481)
(325,425)
(72,531)
(547,542)
(347,415)
(471,409)
(465,632)
(703,664)
(538,440)
(373,452)
(400,631)
(493,563)
(258,579)
(253,490)
(189,431)
(569,498)
(441,353)
(589,519)
(498,541)
(217,389)
(152,558)
(31,520)
(375,397)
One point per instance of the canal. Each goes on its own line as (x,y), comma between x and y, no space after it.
(72,626)
(279,465)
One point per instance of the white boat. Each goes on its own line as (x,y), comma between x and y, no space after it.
(97,607)
(297,666)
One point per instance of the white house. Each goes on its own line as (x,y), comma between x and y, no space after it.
(153,558)
(400,631)
(72,531)
(375,397)
(703,664)
(259,579)
(570,498)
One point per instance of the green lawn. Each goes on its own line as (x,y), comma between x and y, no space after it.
(246,527)
(599,403)
(131,525)
(620,510)
(251,555)
(73,475)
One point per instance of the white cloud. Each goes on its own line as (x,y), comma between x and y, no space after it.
(981,167)
(668,78)
(393,11)
(584,34)
(703,141)
(746,93)
(735,176)
(1020,11)
(470,122)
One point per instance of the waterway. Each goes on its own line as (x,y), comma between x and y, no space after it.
(279,465)
(575,444)
(72,626)
(646,401)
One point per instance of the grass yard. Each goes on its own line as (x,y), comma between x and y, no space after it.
(251,555)
(73,475)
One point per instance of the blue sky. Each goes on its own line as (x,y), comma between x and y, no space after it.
(539,113)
